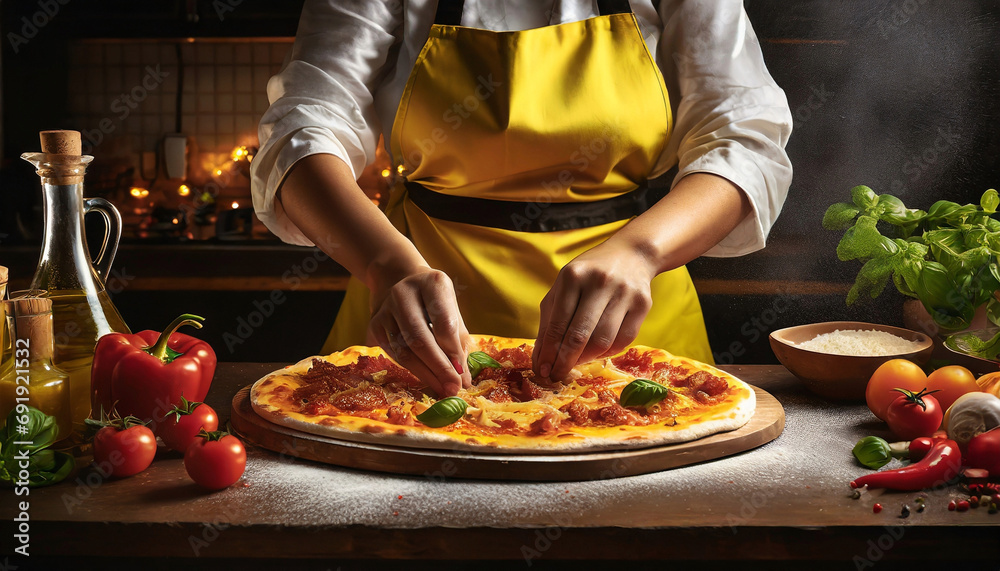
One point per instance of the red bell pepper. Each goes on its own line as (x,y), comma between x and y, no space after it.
(145,374)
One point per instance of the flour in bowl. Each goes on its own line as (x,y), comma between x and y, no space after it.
(860,343)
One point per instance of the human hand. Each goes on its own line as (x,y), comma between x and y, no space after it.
(417,321)
(594,309)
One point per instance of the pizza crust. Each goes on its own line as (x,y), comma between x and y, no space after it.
(734,412)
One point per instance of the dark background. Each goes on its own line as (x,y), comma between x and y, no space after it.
(900,95)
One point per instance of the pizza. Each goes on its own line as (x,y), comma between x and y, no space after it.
(639,398)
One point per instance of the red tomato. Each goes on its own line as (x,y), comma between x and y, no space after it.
(215,460)
(951,382)
(983,452)
(912,415)
(182,426)
(124,452)
(895,373)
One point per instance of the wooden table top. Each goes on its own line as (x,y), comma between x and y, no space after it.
(787,500)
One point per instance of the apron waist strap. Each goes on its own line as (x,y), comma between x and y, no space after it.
(533,216)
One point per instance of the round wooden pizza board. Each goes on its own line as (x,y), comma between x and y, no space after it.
(767,423)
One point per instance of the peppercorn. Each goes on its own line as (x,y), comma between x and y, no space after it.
(920,508)
(905,513)
(974,502)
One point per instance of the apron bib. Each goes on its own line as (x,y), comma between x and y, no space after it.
(520,151)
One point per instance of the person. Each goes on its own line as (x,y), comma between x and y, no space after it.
(524,132)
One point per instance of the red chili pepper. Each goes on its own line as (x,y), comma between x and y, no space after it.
(920,446)
(941,463)
(146,373)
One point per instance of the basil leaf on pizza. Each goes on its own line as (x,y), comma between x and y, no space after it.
(639,398)
(643,393)
(443,412)
(478,361)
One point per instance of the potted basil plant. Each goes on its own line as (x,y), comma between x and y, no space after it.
(946,257)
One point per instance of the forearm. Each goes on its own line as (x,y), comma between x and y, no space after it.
(697,214)
(321,197)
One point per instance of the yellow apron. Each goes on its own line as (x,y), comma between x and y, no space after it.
(520,151)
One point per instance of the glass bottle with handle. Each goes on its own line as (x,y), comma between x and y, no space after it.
(81,308)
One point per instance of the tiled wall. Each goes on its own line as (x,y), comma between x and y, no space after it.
(223,93)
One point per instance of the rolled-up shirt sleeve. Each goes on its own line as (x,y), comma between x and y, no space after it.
(321,100)
(731,119)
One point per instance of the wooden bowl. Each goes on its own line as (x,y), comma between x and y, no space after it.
(840,377)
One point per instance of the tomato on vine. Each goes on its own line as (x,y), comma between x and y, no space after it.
(914,414)
(893,374)
(125,445)
(183,424)
(215,460)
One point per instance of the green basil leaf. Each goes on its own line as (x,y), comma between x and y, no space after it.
(863,197)
(54,468)
(443,412)
(478,361)
(839,216)
(643,393)
(40,430)
(862,240)
(872,278)
(892,209)
(873,452)
(990,201)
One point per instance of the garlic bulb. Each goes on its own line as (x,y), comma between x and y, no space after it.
(972,414)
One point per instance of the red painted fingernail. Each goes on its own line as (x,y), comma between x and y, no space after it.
(458,366)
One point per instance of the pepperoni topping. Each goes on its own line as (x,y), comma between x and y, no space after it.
(397,414)
(368,398)
(707,383)
(499,393)
(634,362)
(548,424)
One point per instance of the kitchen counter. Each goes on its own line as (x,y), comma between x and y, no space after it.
(787,500)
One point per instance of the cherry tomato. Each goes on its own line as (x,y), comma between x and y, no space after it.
(895,373)
(215,460)
(182,425)
(951,382)
(914,414)
(124,451)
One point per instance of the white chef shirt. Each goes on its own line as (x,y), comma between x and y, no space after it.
(351,59)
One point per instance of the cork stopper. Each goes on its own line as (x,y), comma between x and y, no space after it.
(3,279)
(33,323)
(61,142)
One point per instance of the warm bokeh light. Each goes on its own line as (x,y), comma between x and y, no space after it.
(175,221)
(236,205)
(400,169)
(184,190)
(218,172)
(240,152)
(386,173)
(138,192)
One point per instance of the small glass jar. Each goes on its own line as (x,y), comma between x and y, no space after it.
(32,379)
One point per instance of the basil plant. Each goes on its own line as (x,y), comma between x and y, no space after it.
(946,257)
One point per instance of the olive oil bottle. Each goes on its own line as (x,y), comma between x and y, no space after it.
(82,311)
(31,378)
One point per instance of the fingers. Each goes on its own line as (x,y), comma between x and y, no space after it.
(587,314)
(419,324)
